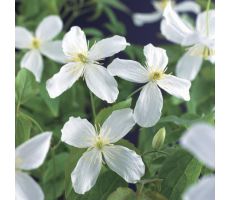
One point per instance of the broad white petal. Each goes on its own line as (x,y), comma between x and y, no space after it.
(203,190)
(53,50)
(201,24)
(101,83)
(85,174)
(149,105)
(124,162)
(23,38)
(26,188)
(64,79)
(129,70)
(200,141)
(188,6)
(107,47)
(74,42)
(175,86)
(188,66)
(175,30)
(156,57)
(78,132)
(49,27)
(32,61)
(139,19)
(32,153)
(117,125)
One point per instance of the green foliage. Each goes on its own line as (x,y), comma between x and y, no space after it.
(122,194)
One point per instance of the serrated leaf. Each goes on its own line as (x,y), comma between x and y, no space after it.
(104,113)
(178,171)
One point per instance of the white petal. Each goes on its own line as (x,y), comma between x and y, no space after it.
(149,105)
(49,27)
(85,174)
(140,19)
(175,30)
(64,79)
(32,61)
(175,86)
(107,47)
(188,6)
(117,125)
(203,190)
(26,188)
(200,141)
(53,50)
(124,162)
(74,42)
(129,70)
(32,153)
(156,57)
(188,66)
(101,83)
(201,23)
(78,132)
(23,38)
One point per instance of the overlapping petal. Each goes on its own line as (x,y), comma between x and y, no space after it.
(26,188)
(78,132)
(53,50)
(188,6)
(85,174)
(148,106)
(23,38)
(117,125)
(128,70)
(200,141)
(32,61)
(188,66)
(49,27)
(101,83)
(175,86)
(32,153)
(124,162)
(204,189)
(64,79)
(107,47)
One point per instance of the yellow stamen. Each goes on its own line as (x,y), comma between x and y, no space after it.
(36,43)
(156,75)
(80,57)
(100,143)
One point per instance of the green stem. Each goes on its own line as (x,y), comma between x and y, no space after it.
(54,171)
(135,91)
(154,151)
(93,107)
(32,120)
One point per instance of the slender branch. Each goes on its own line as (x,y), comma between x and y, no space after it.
(134,92)
(33,121)
(54,171)
(93,106)
(154,151)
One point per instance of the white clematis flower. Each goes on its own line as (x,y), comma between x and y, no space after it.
(150,102)
(201,40)
(140,19)
(85,62)
(200,141)
(40,43)
(125,162)
(28,156)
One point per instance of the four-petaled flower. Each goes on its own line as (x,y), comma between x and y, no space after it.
(83,61)
(140,19)
(40,43)
(201,40)
(150,102)
(125,162)
(200,141)
(28,156)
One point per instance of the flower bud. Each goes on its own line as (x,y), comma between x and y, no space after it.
(158,139)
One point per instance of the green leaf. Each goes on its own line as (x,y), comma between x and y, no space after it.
(93,32)
(115,4)
(179,171)
(122,194)
(26,86)
(104,113)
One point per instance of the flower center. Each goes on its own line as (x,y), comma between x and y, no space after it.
(100,143)
(18,162)
(207,52)
(161,5)
(36,43)
(201,51)
(80,57)
(156,75)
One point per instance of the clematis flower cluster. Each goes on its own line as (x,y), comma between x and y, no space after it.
(40,43)
(199,41)
(140,19)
